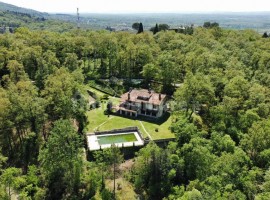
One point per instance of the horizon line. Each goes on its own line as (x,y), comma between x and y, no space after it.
(164,12)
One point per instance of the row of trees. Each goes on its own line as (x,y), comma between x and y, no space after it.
(164,27)
(210,25)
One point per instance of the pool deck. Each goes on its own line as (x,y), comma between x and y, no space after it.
(92,141)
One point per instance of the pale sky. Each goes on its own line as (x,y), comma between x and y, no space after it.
(137,6)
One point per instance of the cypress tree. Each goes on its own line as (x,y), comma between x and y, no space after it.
(156,29)
(140,28)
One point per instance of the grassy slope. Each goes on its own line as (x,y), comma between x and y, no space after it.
(96,117)
(163,127)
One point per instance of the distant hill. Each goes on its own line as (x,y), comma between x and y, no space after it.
(59,16)
(12,8)
(12,17)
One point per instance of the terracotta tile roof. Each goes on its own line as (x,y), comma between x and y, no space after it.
(143,95)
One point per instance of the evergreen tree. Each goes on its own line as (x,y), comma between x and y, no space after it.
(155,29)
(265,35)
(140,28)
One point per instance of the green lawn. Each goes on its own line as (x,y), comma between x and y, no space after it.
(162,126)
(101,122)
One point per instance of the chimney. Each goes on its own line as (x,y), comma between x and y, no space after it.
(129,96)
(159,96)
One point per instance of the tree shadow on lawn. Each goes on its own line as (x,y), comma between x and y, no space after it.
(157,121)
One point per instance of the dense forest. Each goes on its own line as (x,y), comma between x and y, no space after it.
(220,113)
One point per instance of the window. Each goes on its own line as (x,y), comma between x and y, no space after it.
(155,107)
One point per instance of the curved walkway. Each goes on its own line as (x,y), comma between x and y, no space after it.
(146,131)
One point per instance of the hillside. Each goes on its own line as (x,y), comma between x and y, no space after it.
(12,8)
(14,17)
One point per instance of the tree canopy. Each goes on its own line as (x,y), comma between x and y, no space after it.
(218,80)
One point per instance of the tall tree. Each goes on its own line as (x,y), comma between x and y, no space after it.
(58,92)
(168,71)
(16,71)
(27,116)
(196,91)
(156,29)
(150,72)
(152,172)
(109,160)
(6,123)
(8,179)
(49,64)
(61,160)
(257,141)
(140,30)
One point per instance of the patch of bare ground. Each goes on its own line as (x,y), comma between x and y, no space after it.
(124,189)
(127,165)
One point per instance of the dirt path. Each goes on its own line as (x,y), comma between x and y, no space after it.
(103,123)
(146,131)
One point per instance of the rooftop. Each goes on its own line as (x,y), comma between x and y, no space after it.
(143,95)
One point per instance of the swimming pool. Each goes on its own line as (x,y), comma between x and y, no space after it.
(120,139)
(113,139)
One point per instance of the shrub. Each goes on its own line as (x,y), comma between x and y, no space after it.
(105,96)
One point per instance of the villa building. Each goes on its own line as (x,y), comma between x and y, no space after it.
(143,102)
